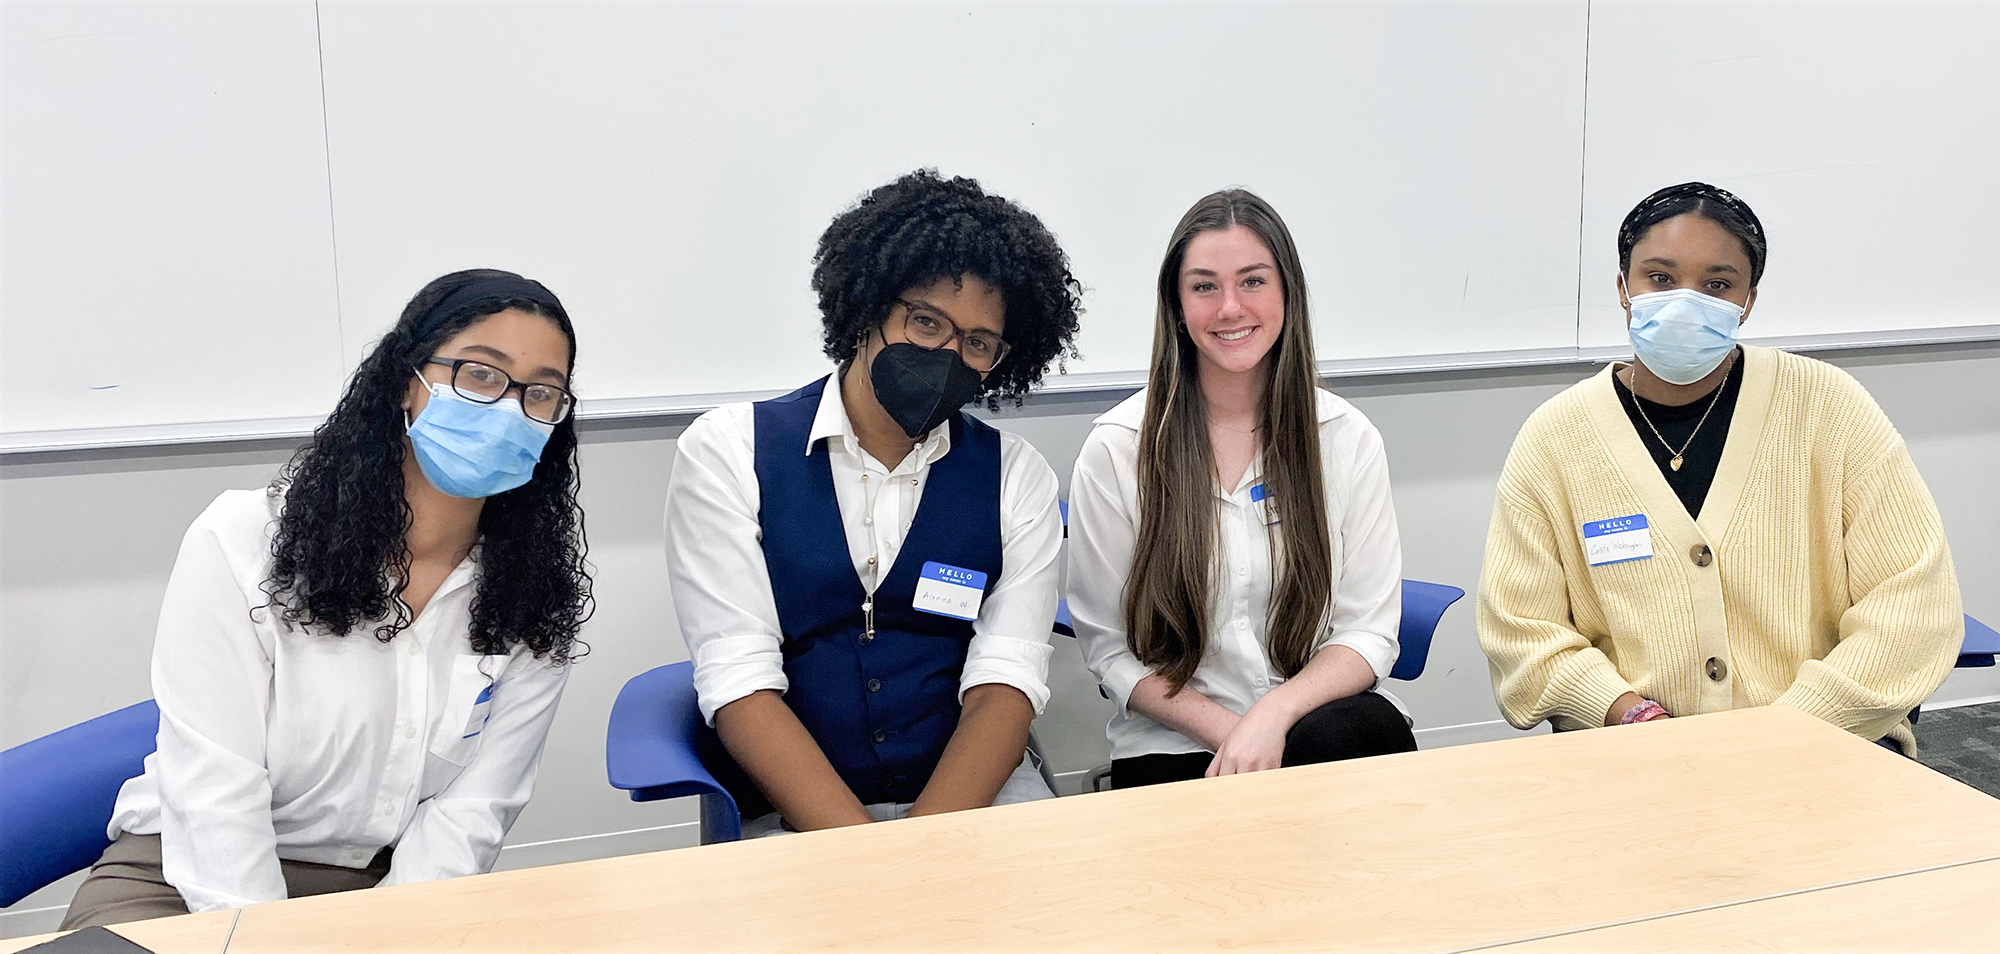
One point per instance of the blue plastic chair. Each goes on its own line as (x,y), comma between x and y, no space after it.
(56,795)
(654,745)
(1981,645)
(1423,605)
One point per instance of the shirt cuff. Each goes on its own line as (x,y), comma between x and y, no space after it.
(1377,650)
(1123,673)
(727,668)
(1021,663)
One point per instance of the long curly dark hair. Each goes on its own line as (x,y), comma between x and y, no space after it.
(340,559)
(922,228)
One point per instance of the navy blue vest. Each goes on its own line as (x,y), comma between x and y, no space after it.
(882,706)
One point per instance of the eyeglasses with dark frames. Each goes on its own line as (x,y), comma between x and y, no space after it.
(929,329)
(483,383)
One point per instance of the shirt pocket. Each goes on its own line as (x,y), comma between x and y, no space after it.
(468,702)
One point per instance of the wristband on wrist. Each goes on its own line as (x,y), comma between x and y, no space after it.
(1645,711)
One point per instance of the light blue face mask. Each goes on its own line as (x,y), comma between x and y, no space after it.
(1681,335)
(473,450)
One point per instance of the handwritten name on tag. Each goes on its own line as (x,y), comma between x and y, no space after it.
(949,591)
(1617,540)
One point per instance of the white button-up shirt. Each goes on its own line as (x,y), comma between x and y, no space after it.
(282,742)
(722,589)
(1235,671)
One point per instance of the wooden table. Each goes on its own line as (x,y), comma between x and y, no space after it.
(1944,909)
(188,934)
(1670,830)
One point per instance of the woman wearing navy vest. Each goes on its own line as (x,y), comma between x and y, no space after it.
(865,575)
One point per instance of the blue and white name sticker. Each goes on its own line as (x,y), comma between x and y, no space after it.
(1617,540)
(482,709)
(949,591)
(1259,495)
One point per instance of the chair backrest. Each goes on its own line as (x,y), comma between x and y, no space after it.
(656,744)
(1980,646)
(56,795)
(1423,605)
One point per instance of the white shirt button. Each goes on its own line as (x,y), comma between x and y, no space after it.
(409,732)
(867,521)
(357,854)
(414,648)
(388,809)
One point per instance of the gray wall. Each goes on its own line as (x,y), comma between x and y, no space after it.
(87,539)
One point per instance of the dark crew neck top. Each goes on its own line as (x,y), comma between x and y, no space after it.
(1677,425)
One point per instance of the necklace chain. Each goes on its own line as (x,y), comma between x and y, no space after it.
(1681,454)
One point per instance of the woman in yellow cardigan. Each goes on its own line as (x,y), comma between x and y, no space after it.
(1714,525)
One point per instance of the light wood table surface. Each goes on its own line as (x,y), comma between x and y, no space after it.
(204,933)
(1944,909)
(1430,851)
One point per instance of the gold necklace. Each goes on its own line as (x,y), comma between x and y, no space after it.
(1682,453)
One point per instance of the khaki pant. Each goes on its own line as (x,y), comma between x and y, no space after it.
(128,883)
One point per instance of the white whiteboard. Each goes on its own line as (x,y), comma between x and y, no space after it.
(667,168)
(164,224)
(223,204)
(1865,135)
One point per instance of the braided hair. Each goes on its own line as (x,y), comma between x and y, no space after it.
(1716,205)
(922,228)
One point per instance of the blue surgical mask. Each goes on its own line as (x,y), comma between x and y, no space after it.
(1681,335)
(473,450)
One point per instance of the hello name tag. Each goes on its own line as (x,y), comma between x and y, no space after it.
(1617,540)
(1259,495)
(482,709)
(949,591)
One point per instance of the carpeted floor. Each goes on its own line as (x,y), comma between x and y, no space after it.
(1963,743)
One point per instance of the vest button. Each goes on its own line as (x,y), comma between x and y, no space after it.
(875,685)
(881,736)
(1701,554)
(1717,669)
(867,638)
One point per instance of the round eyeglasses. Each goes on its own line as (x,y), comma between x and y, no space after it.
(930,329)
(485,384)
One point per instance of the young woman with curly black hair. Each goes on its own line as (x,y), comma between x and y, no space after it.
(1232,640)
(1713,525)
(356,667)
(864,574)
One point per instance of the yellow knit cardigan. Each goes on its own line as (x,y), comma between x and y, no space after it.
(1827,586)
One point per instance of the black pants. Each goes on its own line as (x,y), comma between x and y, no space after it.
(1356,727)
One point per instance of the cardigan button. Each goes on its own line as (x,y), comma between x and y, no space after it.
(1717,669)
(874,685)
(881,736)
(1701,554)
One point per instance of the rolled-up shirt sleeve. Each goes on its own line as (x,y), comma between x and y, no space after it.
(715,564)
(1102,528)
(1368,599)
(1010,639)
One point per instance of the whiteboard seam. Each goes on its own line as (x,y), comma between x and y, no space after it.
(1582,173)
(332,214)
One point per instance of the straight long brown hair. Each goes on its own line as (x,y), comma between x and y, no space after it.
(1173,570)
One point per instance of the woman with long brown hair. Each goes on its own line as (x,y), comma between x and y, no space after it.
(1235,570)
